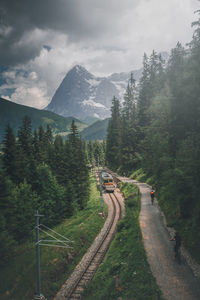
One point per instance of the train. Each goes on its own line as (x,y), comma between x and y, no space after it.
(107,182)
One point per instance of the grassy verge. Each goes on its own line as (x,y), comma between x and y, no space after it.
(17,278)
(125,272)
(140,175)
(169,201)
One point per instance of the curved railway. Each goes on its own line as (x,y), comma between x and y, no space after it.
(84,272)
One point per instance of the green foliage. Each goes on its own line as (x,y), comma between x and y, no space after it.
(7,242)
(56,263)
(96,131)
(10,150)
(96,152)
(12,113)
(163,134)
(125,272)
(39,173)
(21,214)
(113,136)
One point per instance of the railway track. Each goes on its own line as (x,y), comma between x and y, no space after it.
(84,272)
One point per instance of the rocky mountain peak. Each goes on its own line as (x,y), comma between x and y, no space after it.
(82,94)
(80,71)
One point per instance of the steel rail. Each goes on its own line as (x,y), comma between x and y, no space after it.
(99,254)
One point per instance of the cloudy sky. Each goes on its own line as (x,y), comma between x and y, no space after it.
(41,40)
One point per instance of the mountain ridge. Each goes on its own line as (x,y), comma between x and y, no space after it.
(83,94)
(12,113)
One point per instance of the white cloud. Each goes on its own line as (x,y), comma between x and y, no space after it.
(103,36)
(28,88)
(31,96)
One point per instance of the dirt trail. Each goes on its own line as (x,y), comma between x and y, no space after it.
(177,282)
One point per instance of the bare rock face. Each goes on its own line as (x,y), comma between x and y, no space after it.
(82,95)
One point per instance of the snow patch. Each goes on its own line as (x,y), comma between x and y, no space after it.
(121,87)
(96,115)
(91,102)
(93,82)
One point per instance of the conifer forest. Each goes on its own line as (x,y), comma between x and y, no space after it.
(154,132)
(41,173)
(157,130)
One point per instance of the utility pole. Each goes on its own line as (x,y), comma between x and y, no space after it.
(57,240)
(39,296)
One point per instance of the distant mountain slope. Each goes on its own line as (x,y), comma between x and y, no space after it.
(12,113)
(96,131)
(82,95)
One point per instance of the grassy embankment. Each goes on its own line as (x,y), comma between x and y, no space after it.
(125,272)
(18,279)
(169,203)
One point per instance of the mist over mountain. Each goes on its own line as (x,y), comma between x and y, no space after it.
(82,94)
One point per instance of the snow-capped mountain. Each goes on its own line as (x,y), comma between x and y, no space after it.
(81,94)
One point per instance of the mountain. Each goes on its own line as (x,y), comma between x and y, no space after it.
(96,131)
(82,95)
(12,113)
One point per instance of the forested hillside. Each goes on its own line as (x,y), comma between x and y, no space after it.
(96,131)
(157,130)
(12,113)
(39,173)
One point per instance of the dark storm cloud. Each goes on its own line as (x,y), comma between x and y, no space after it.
(45,38)
(23,24)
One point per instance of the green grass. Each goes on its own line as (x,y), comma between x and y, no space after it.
(18,279)
(189,231)
(125,272)
(169,201)
(139,175)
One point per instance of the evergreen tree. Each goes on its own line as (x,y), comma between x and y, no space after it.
(24,203)
(10,153)
(36,148)
(128,128)
(114,136)
(52,202)
(26,150)
(90,150)
(7,241)
(175,72)
(25,137)
(144,90)
(78,166)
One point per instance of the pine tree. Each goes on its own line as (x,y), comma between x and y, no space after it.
(114,136)
(144,90)
(26,150)
(90,150)
(56,161)
(7,241)
(128,127)
(175,73)
(25,137)
(24,204)
(52,202)
(10,153)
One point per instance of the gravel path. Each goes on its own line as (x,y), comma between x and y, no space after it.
(177,282)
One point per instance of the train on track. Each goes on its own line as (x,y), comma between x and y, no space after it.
(107,182)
